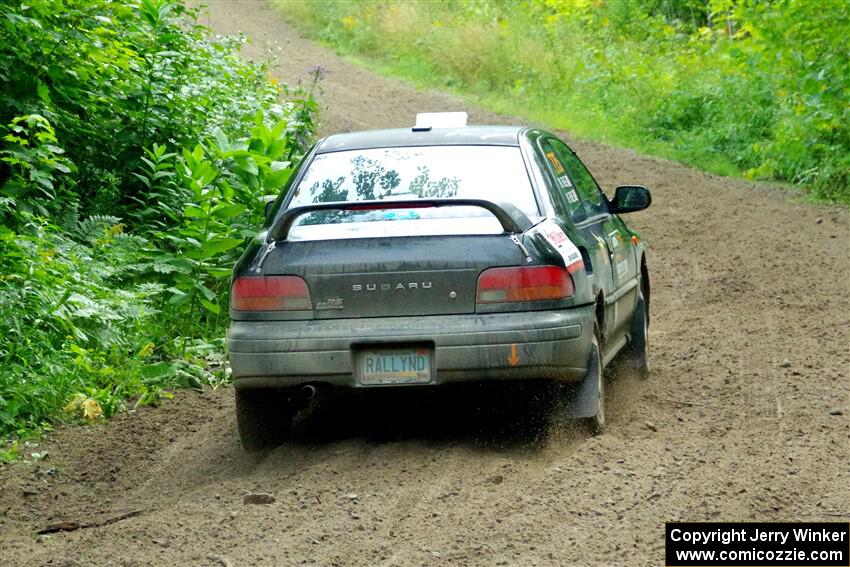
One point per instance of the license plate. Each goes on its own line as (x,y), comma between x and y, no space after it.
(395,366)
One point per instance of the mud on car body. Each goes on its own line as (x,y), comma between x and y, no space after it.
(412,258)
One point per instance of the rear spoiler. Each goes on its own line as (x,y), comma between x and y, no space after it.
(509,216)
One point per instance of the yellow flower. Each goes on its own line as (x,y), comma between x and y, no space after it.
(82,404)
(146,351)
(74,405)
(92,409)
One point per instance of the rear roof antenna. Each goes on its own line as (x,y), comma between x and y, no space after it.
(425,121)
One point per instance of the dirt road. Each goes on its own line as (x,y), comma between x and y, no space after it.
(750,361)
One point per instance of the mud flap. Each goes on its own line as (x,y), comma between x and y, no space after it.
(637,339)
(582,399)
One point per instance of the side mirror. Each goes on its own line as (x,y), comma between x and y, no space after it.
(630,198)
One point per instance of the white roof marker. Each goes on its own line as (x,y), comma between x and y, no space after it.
(425,120)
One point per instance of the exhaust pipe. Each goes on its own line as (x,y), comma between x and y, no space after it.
(308,392)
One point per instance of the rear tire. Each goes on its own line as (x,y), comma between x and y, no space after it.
(263,417)
(636,353)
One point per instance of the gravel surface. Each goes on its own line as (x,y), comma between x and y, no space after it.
(744,418)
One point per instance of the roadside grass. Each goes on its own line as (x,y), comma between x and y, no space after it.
(726,92)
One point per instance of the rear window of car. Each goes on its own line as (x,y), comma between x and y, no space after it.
(494,173)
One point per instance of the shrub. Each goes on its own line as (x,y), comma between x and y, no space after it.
(134,159)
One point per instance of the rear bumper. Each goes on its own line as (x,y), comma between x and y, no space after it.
(547,344)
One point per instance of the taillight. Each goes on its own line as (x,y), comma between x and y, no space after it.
(533,283)
(271,293)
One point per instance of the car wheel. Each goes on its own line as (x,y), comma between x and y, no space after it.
(263,417)
(596,372)
(636,353)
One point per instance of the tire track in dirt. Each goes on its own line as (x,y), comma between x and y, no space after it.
(745,277)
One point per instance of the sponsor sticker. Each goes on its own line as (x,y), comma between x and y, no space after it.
(557,238)
(559,169)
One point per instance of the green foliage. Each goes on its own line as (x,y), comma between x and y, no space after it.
(70,325)
(223,183)
(133,165)
(36,166)
(114,78)
(735,86)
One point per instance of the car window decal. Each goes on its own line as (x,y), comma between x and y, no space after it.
(559,169)
(565,181)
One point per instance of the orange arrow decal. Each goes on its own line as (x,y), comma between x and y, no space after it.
(513,359)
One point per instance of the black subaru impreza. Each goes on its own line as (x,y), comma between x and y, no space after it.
(411,258)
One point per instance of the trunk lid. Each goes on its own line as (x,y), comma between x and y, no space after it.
(394,276)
